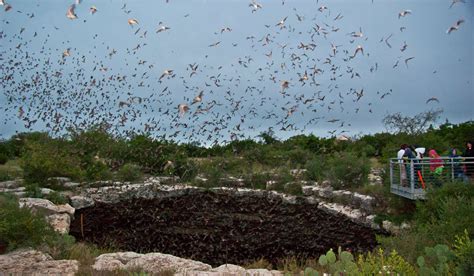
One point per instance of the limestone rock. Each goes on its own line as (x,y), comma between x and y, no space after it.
(80,202)
(230,269)
(59,180)
(46,206)
(71,185)
(60,222)
(32,262)
(13,190)
(10,184)
(46,191)
(58,216)
(151,262)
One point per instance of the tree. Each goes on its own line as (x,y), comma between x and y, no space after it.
(268,136)
(411,125)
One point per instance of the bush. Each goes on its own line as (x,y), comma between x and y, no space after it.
(293,188)
(129,172)
(464,251)
(347,170)
(96,171)
(213,172)
(19,227)
(186,169)
(297,157)
(56,198)
(3,158)
(33,190)
(86,253)
(257,181)
(9,172)
(315,168)
(49,158)
(447,212)
(282,181)
(58,246)
(378,262)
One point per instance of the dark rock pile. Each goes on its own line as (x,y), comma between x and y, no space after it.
(218,227)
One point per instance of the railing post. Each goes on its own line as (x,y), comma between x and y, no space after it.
(452,170)
(391,173)
(412,178)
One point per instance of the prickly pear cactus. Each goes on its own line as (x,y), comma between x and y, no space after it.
(340,264)
(310,272)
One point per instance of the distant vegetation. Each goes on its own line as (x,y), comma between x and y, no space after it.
(95,154)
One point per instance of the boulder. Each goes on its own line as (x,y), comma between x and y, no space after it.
(80,202)
(46,191)
(10,184)
(32,262)
(58,216)
(58,180)
(46,206)
(71,185)
(13,190)
(230,269)
(152,262)
(60,222)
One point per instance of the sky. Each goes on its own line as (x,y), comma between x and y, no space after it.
(111,73)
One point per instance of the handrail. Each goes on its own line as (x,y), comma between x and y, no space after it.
(409,177)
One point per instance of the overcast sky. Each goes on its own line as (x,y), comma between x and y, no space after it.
(246,98)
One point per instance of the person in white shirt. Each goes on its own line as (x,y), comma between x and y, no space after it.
(403,171)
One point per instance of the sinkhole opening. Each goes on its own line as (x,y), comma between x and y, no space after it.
(220,227)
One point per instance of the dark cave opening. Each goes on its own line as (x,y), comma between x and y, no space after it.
(218,227)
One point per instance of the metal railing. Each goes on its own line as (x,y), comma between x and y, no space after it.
(411,177)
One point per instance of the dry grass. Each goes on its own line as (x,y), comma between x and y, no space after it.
(296,265)
(260,263)
(10,170)
(86,254)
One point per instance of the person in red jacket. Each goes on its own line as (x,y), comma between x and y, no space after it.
(436,163)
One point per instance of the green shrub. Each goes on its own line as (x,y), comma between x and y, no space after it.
(96,171)
(150,154)
(257,181)
(213,172)
(347,170)
(56,198)
(298,157)
(186,169)
(3,158)
(464,251)
(49,158)
(281,180)
(437,260)
(58,246)
(19,227)
(293,188)
(377,262)
(33,190)
(9,172)
(446,212)
(315,168)
(129,172)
